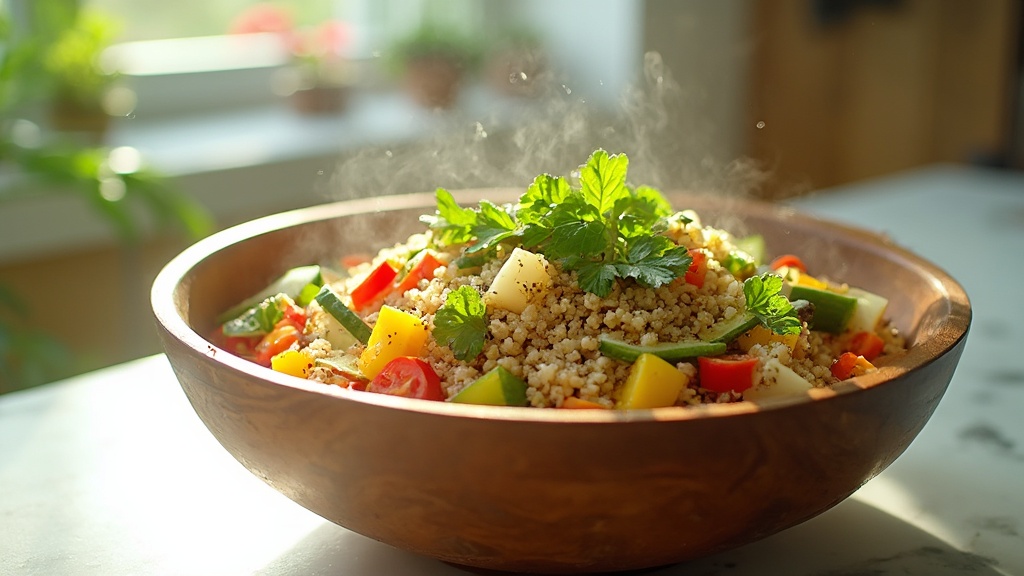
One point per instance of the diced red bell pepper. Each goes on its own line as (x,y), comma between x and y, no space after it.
(849,365)
(788,261)
(698,268)
(376,285)
(423,268)
(731,372)
(867,344)
(276,341)
(243,346)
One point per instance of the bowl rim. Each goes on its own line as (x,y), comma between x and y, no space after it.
(171,276)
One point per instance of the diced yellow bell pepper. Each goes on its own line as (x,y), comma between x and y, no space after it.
(652,383)
(810,282)
(763,336)
(395,334)
(294,362)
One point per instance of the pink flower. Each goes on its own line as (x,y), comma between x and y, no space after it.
(263,18)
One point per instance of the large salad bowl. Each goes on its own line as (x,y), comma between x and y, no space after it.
(545,490)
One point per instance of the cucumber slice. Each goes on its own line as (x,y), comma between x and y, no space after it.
(496,388)
(870,309)
(291,283)
(668,351)
(753,245)
(331,302)
(728,330)
(344,364)
(832,311)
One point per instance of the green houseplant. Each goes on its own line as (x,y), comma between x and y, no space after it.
(432,62)
(34,161)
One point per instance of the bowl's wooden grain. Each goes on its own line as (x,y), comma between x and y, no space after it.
(549,490)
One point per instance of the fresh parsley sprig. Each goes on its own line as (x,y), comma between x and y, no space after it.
(461,324)
(604,230)
(765,301)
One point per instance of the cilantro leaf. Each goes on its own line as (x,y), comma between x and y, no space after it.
(654,260)
(259,319)
(769,305)
(452,223)
(603,180)
(461,324)
(595,277)
(493,224)
(545,193)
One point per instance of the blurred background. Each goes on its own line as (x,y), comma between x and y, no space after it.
(130,129)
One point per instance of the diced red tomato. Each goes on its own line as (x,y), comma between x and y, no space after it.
(424,268)
(735,372)
(409,377)
(244,346)
(849,365)
(788,261)
(276,341)
(698,268)
(376,285)
(867,344)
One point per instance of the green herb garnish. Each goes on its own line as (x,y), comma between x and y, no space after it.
(461,324)
(769,305)
(260,319)
(604,230)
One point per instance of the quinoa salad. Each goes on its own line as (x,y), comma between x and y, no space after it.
(586,293)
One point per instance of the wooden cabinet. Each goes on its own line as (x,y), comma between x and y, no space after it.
(884,87)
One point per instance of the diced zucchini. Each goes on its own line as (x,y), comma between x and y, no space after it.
(870,309)
(670,351)
(832,311)
(349,320)
(499,387)
(292,283)
(396,333)
(754,246)
(652,383)
(523,276)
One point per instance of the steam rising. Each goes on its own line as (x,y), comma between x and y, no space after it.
(656,126)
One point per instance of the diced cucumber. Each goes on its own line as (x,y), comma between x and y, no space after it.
(668,351)
(344,364)
(291,283)
(331,302)
(754,246)
(870,308)
(787,382)
(728,330)
(832,311)
(499,387)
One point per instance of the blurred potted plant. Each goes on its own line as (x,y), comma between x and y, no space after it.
(516,63)
(318,80)
(432,62)
(115,182)
(80,86)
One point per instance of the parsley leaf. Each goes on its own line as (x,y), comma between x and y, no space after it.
(603,229)
(260,319)
(452,223)
(769,305)
(654,260)
(461,324)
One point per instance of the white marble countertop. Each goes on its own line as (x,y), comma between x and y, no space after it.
(112,473)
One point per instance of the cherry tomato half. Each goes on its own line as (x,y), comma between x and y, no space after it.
(410,377)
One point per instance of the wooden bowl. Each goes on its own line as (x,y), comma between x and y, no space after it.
(555,491)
